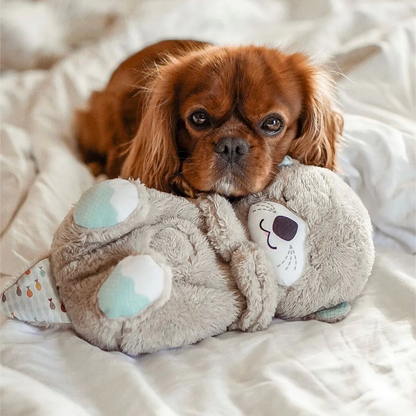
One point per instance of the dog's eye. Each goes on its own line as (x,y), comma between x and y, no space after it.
(272,125)
(199,119)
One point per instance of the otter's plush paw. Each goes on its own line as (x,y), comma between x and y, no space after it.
(331,315)
(135,284)
(251,271)
(106,204)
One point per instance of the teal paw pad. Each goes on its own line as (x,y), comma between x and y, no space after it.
(134,284)
(106,204)
(334,314)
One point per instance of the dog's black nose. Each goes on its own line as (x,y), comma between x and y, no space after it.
(285,228)
(232,149)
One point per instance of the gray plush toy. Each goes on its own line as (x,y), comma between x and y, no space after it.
(139,270)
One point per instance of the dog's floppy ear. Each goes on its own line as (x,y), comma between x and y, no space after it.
(152,156)
(320,124)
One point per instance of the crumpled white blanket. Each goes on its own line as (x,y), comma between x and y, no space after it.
(363,365)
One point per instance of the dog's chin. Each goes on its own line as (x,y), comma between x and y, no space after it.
(227,187)
(232,186)
(230,181)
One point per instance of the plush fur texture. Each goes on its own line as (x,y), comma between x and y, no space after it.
(338,248)
(204,299)
(141,125)
(216,279)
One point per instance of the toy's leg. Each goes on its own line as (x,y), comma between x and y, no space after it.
(137,308)
(100,305)
(136,284)
(110,209)
(103,215)
(331,315)
(191,314)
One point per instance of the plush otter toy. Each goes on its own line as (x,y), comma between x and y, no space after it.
(138,270)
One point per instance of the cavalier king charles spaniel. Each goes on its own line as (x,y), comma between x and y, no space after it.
(189,117)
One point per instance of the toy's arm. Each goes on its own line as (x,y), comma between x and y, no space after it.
(224,230)
(252,272)
(249,266)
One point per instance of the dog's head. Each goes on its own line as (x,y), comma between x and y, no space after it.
(221,119)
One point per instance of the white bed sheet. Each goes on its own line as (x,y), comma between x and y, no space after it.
(363,365)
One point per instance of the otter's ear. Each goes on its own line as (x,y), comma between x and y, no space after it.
(320,124)
(152,156)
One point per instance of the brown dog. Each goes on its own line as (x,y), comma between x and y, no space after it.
(189,117)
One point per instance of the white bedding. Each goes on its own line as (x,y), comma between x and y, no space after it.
(365,365)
